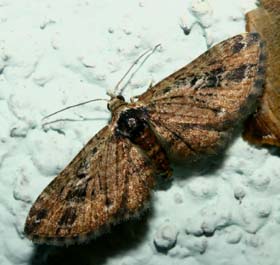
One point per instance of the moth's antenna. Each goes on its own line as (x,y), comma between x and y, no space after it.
(73,106)
(137,69)
(151,51)
(77,120)
(129,69)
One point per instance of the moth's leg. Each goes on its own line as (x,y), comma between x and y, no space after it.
(151,84)
(134,98)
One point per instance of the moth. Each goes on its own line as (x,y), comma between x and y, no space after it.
(189,114)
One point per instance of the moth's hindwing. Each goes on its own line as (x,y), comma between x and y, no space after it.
(194,110)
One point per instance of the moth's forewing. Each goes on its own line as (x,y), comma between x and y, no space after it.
(264,126)
(194,110)
(108,181)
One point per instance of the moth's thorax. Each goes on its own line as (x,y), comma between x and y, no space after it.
(132,122)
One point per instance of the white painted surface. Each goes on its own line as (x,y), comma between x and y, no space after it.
(57,53)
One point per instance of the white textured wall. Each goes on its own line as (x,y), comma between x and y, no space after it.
(57,53)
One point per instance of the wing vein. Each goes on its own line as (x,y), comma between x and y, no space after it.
(175,134)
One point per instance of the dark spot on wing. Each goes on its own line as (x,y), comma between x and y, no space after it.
(237,74)
(83,169)
(42,213)
(180,81)
(217,71)
(238,38)
(81,175)
(78,193)
(30,227)
(68,217)
(94,150)
(253,38)
(212,81)
(92,193)
(165,90)
(108,201)
(237,47)
(193,81)
(213,78)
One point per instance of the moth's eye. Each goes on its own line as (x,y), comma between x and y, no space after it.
(120,97)
(108,106)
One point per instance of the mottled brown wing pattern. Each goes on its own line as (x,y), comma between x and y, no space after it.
(194,110)
(191,112)
(108,181)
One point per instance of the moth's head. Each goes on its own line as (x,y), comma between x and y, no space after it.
(115,103)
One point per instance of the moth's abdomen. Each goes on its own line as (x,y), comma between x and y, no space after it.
(148,142)
(133,125)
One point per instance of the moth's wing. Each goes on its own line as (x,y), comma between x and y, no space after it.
(194,110)
(108,181)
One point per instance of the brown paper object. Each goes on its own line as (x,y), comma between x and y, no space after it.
(264,126)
